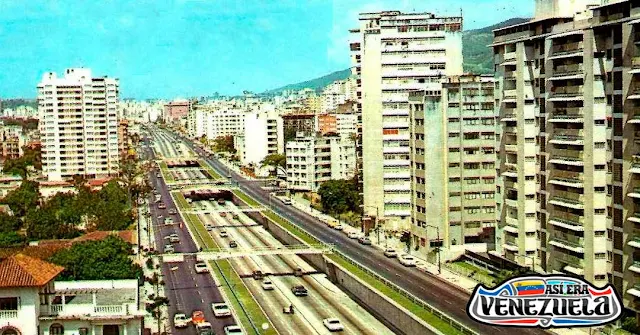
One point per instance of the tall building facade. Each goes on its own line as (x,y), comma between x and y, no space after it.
(453,164)
(395,53)
(263,135)
(78,125)
(568,194)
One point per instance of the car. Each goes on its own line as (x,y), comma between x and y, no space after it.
(407,260)
(223,233)
(299,291)
(168,249)
(233,330)
(197,317)
(160,217)
(158,175)
(220,310)
(390,253)
(173,211)
(180,320)
(364,240)
(339,227)
(204,328)
(267,284)
(174,239)
(201,267)
(168,220)
(333,324)
(353,235)
(209,227)
(233,244)
(286,201)
(162,205)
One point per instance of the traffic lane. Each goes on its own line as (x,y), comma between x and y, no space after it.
(425,286)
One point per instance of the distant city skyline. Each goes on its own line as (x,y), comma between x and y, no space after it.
(195,48)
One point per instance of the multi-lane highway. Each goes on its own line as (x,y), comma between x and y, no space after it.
(440,294)
(186,290)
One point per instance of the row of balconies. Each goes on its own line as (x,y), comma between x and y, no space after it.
(566,48)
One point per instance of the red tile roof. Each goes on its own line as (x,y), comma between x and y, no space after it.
(24,271)
(127,235)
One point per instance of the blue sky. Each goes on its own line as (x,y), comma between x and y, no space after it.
(166,49)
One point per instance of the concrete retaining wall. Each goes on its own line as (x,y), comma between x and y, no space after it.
(384,309)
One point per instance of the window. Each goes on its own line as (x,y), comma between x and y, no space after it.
(56,329)
(10,331)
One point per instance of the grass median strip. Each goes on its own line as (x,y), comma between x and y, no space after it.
(223,269)
(168,176)
(208,168)
(402,300)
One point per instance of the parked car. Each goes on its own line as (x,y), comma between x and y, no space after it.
(391,253)
(407,260)
(201,267)
(168,249)
(162,205)
(333,324)
(220,310)
(233,330)
(339,227)
(223,233)
(158,175)
(173,211)
(180,320)
(299,291)
(267,284)
(233,244)
(286,201)
(353,235)
(364,240)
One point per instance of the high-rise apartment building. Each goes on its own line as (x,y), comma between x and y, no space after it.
(568,90)
(214,121)
(78,125)
(395,53)
(453,164)
(314,160)
(263,135)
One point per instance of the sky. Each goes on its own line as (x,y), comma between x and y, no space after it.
(168,49)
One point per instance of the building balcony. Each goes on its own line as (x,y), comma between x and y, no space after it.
(509,56)
(510,94)
(635,267)
(8,314)
(567,178)
(568,242)
(635,94)
(635,290)
(567,157)
(567,115)
(568,199)
(567,220)
(89,309)
(635,119)
(511,148)
(635,65)
(569,259)
(634,193)
(511,221)
(567,49)
(509,116)
(634,241)
(567,93)
(565,138)
(511,202)
(510,246)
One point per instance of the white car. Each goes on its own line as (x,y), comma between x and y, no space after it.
(168,221)
(233,330)
(220,310)
(391,253)
(267,284)
(203,327)
(180,320)
(168,249)
(201,267)
(339,227)
(407,260)
(353,235)
(223,233)
(333,324)
(174,239)
(286,201)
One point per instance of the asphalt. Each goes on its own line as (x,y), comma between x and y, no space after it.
(438,293)
(186,290)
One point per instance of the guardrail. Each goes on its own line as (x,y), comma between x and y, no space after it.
(436,312)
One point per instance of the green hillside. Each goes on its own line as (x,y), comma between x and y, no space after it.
(317,84)
(478,57)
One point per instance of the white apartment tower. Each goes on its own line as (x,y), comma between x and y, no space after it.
(78,125)
(394,53)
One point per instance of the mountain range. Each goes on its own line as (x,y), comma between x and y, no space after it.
(477,55)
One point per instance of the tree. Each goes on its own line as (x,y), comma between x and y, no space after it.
(24,198)
(44,223)
(339,196)
(97,260)
(11,239)
(224,144)
(275,160)
(112,211)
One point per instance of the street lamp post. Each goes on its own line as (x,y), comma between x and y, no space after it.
(438,237)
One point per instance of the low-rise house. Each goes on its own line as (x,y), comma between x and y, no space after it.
(32,302)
